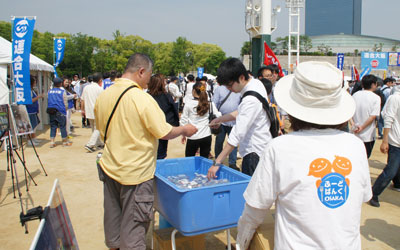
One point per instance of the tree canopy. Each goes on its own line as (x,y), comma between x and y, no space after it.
(86,54)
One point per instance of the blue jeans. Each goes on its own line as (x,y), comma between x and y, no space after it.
(219,143)
(58,121)
(391,171)
(380,126)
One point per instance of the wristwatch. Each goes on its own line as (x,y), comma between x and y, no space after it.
(216,164)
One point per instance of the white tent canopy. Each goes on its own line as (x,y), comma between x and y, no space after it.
(36,64)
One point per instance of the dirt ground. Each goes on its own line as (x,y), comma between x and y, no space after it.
(77,173)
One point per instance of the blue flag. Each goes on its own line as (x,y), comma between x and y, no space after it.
(365,72)
(340,61)
(200,72)
(59,47)
(21,50)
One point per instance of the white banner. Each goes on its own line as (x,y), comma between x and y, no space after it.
(4,92)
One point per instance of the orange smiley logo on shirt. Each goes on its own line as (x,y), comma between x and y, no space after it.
(320,167)
(342,165)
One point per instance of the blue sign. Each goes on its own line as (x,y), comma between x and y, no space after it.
(21,50)
(333,190)
(365,72)
(200,72)
(340,61)
(374,60)
(58,47)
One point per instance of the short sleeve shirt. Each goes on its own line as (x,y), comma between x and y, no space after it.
(130,151)
(318,180)
(367,104)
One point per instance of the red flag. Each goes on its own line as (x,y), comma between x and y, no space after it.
(356,75)
(270,58)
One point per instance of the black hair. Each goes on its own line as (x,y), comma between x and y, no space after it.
(368,80)
(297,124)
(230,70)
(204,78)
(274,68)
(106,75)
(97,77)
(174,78)
(190,78)
(260,71)
(388,79)
(113,74)
(267,85)
(198,79)
(90,78)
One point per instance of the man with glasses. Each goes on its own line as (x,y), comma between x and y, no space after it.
(251,130)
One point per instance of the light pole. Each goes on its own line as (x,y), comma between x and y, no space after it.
(258,26)
(294,15)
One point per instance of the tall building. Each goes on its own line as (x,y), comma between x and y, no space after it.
(328,17)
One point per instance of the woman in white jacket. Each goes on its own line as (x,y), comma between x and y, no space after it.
(196,112)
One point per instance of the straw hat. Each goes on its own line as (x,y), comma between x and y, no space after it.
(314,94)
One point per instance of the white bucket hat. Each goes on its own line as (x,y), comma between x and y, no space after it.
(314,94)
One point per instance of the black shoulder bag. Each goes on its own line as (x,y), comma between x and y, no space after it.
(271,112)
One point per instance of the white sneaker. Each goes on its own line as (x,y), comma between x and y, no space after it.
(395,188)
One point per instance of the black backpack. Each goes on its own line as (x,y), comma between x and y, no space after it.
(271,112)
(379,92)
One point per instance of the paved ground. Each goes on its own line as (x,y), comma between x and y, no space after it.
(76,171)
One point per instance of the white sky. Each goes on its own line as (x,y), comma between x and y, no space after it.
(218,22)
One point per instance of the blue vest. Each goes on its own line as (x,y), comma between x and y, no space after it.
(56,100)
(107,83)
(34,107)
(70,102)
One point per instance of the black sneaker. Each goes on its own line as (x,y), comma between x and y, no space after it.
(90,149)
(374,202)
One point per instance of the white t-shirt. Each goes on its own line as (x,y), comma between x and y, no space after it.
(251,130)
(173,89)
(391,116)
(367,104)
(89,96)
(315,208)
(188,93)
(190,116)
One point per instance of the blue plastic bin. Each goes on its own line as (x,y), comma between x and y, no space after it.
(199,210)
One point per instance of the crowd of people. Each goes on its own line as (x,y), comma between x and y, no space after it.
(317,175)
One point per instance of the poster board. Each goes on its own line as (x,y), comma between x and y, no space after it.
(22,123)
(55,230)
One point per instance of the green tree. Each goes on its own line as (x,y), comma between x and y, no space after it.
(5,30)
(305,43)
(178,56)
(246,48)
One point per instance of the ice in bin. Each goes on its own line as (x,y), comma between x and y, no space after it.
(202,209)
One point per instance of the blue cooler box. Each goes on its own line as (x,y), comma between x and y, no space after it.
(199,210)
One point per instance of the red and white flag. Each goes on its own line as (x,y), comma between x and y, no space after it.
(354,74)
(270,58)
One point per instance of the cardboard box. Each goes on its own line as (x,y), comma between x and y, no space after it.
(263,238)
(162,240)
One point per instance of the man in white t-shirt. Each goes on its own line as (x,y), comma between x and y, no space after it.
(318,175)
(391,146)
(368,106)
(173,89)
(251,130)
(88,100)
(188,89)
